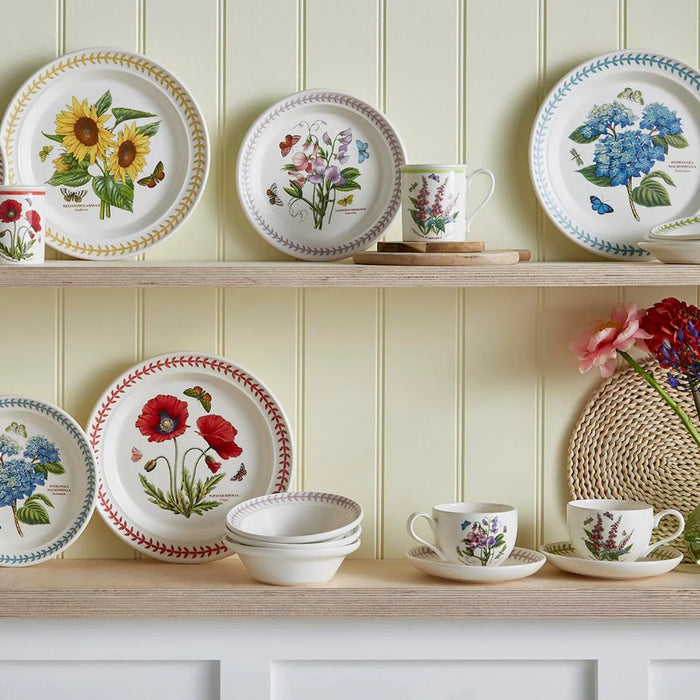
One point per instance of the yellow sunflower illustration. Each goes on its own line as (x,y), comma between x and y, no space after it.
(83,131)
(129,155)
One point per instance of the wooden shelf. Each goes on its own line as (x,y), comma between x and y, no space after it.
(94,588)
(343,274)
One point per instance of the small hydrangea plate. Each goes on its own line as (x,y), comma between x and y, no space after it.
(318,175)
(179,439)
(47,481)
(614,150)
(564,557)
(521,563)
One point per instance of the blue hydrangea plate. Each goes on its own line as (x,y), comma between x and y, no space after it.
(48,481)
(614,150)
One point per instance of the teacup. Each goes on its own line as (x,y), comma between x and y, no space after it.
(22,224)
(615,529)
(474,534)
(434,201)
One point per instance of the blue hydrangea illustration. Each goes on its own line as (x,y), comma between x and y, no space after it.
(18,479)
(628,146)
(41,450)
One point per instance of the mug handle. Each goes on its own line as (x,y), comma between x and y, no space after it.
(665,540)
(480,171)
(433,525)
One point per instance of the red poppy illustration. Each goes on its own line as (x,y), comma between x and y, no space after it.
(164,417)
(10,210)
(220,435)
(213,465)
(34,219)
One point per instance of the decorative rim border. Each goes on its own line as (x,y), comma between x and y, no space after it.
(673,225)
(284,448)
(250,146)
(520,554)
(540,131)
(76,433)
(177,212)
(566,549)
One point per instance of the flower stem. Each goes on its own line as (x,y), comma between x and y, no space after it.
(664,395)
(629,196)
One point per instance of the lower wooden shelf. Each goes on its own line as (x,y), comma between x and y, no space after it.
(98,588)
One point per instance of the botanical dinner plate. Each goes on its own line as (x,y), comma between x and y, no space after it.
(47,481)
(521,563)
(613,150)
(120,145)
(318,175)
(179,439)
(660,561)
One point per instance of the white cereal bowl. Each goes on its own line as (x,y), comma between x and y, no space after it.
(677,230)
(680,252)
(341,541)
(284,567)
(294,517)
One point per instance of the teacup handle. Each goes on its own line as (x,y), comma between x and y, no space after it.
(470,177)
(431,521)
(666,540)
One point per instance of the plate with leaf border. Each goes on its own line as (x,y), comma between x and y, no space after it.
(179,439)
(318,174)
(48,481)
(613,150)
(120,145)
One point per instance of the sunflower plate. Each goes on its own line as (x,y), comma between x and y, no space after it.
(120,145)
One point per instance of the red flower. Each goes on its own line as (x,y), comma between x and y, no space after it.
(164,417)
(220,435)
(34,219)
(213,465)
(10,210)
(674,327)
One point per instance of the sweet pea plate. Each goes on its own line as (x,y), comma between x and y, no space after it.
(179,439)
(120,144)
(613,150)
(318,175)
(47,481)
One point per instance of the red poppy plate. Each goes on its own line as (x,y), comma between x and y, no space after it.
(120,145)
(179,439)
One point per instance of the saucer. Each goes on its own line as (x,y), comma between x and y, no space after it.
(679,229)
(660,561)
(677,251)
(521,563)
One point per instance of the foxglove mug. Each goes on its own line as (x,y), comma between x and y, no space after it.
(470,533)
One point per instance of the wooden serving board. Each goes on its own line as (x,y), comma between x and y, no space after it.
(431,246)
(494,257)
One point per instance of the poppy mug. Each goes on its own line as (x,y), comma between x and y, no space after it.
(22,224)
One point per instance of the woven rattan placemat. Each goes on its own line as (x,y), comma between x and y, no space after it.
(628,443)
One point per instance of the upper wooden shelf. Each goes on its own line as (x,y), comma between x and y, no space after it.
(97,588)
(343,274)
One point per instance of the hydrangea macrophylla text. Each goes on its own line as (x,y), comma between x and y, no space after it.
(669,331)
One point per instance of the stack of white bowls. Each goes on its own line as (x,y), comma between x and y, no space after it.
(294,537)
(676,241)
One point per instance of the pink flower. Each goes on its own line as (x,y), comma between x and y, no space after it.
(301,162)
(598,347)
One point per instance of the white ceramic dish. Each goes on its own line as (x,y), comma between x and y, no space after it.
(660,561)
(687,229)
(292,567)
(179,439)
(47,481)
(318,175)
(341,541)
(295,517)
(147,163)
(633,95)
(521,563)
(679,252)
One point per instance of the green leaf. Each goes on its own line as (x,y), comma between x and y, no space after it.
(53,137)
(590,172)
(294,190)
(54,467)
(104,103)
(73,177)
(350,173)
(347,186)
(416,220)
(439,225)
(149,130)
(659,141)
(651,194)
(114,193)
(211,483)
(39,497)
(204,506)
(122,114)
(677,140)
(33,513)
(578,137)
(660,174)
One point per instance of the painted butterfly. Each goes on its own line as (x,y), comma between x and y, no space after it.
(136,454)
(196,392)
(362,153)
(76,196)
(271,194)
(17,429)
(44,152)
(238,476)
(632,95)
(346,200)
(600,206)
(155,177)
(434,176)
(413,186)
(289,141)
(575,155)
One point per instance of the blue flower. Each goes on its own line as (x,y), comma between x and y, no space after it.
(41,450)
(603,118)
(629,155)
(18,479)
(657,116)
(8,446)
